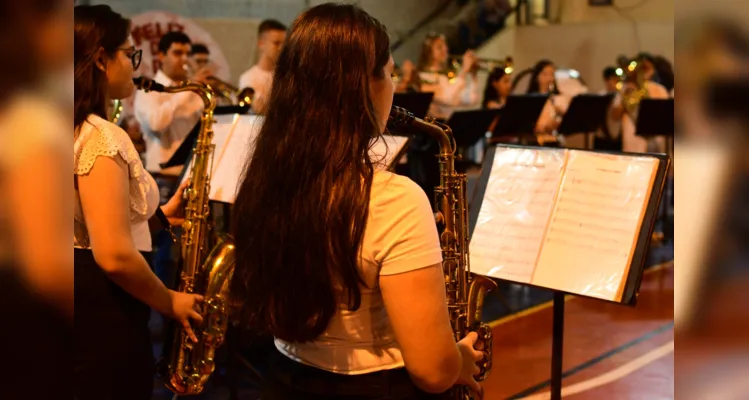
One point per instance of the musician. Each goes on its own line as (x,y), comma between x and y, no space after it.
(337,258)
(498,88)
(271,35)
(630,141)
(460,90)
(200,57)
(543,81)
(609,136)
(115,198)
(166,118)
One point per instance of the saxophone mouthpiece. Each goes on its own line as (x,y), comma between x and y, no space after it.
(400,116)
(146,84)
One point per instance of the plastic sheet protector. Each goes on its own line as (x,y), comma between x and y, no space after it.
(562,219)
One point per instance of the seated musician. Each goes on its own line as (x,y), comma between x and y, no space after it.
(337,258)
(630,141)
(498,88)
(452,89)
(544,82)
(271,35)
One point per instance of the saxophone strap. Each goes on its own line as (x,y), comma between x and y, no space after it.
(165,223)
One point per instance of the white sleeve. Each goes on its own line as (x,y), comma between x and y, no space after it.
(406,234)
(155,111)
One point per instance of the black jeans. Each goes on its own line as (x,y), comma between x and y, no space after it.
(288,379)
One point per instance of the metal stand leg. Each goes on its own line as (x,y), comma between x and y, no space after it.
(557,346)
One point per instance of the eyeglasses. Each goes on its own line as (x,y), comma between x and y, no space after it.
(135,56)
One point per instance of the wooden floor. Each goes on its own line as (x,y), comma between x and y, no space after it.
(610,351)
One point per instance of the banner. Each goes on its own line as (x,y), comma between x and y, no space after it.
(149,27)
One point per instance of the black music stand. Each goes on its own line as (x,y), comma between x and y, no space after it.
(655,118)
(233,109)
(470,126)
(416,102)
(519,116)
(586,114)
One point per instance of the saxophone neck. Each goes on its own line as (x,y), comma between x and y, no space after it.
(201,89)
(438,131)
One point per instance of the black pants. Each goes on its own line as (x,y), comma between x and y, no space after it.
(288,379)
(113,353)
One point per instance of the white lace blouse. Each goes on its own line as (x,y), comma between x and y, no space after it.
(101,138)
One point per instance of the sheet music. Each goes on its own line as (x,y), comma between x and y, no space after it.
(232,136)
(386,148)
(596,220)
(515,211)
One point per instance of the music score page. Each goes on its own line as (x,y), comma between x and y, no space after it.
(515,212)
(594,227)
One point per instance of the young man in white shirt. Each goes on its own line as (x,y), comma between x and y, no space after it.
(167,118)
(271,35)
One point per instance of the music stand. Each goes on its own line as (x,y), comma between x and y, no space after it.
(655,118)
(519,115)
(586,114)
(470,126)
(416,102)
(233,109)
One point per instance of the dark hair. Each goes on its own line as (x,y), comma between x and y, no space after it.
(96,27)
(535,72)
(490,93)
(609,72)
(170,38)
(199,48)
(21,66)
(270,25)
(665,72)
(302,205)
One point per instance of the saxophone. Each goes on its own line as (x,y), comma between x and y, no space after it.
(465,292)
(206,273)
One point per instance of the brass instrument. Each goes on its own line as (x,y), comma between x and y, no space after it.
(116,112)
(632,87)
(191,364)
(241,97)
(465,292)
(482,64)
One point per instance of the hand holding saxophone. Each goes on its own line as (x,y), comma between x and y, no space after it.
(471,352)
(183,309)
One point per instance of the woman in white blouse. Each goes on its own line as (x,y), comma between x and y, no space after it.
(337,259)
(452,89)
(115,198)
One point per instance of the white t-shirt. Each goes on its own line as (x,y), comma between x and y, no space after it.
(101,138)
(401,236)
(259,80)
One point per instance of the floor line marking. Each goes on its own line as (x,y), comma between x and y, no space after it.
(613,375)
(545,305)
(595,360)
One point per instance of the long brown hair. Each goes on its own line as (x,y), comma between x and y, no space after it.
(302,206)
(96,27)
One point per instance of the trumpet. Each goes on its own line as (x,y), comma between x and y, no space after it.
(225,90)
(230,92)
(482,64)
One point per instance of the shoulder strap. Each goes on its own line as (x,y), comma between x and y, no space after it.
(165,223)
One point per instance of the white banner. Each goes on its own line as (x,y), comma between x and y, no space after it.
(149,27)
